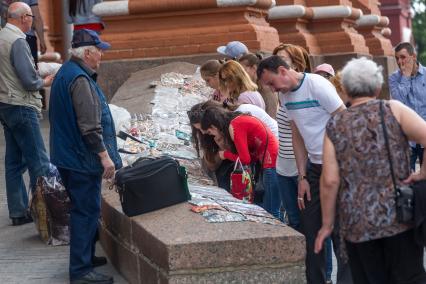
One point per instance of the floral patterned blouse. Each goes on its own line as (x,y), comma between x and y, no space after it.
(366,199)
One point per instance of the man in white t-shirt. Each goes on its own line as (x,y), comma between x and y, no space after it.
(310,100)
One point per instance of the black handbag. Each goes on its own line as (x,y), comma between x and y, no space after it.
(404,195)
(150,184)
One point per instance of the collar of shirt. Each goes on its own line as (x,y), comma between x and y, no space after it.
(92,73)
(15,29)
(421,69)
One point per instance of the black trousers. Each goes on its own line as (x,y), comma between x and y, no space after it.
(392,260)
(311,221)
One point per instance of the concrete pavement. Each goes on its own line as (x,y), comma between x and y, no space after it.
(24,258)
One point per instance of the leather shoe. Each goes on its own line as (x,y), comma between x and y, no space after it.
(99,261)
(94,277)
(17,221)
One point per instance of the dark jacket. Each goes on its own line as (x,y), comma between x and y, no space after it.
(67,147)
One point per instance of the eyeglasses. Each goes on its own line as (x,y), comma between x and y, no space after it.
(28,15)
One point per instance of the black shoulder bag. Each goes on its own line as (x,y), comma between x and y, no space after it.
(404,195)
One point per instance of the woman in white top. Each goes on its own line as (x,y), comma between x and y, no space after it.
(257,112)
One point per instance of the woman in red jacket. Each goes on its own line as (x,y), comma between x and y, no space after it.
(254,142)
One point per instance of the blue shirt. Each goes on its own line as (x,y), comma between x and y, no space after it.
(410,90)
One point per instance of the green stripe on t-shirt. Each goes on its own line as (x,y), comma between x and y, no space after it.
(302,105)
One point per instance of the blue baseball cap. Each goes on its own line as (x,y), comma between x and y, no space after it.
(234,49)
(85,37)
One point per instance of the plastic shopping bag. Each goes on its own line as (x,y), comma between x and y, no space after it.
(49,208)
(241,183)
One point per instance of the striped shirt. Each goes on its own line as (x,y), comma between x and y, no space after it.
(286,161)
(285,137)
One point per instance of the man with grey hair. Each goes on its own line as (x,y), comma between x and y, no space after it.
(84,148)
(20,106)
(407,85)
(310,100)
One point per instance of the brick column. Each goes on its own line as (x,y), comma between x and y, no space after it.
(333,29)
(52,16)
(47,13)
(291,20)
(398,12)
(371,26)
(146,29)
(321,26)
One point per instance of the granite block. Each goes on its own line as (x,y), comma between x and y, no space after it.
(122,257)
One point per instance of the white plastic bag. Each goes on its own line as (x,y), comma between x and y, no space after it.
(121,117)
(48,68)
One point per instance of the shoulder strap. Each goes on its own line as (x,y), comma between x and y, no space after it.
(266,145)
(385,134)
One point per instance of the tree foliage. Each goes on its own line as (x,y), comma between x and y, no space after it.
(419,28)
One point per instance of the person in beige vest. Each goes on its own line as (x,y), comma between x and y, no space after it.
(20,107)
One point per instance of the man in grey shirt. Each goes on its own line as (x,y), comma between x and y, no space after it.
(20,106)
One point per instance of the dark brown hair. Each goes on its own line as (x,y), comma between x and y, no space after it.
(405,45)
(271,64)
(200,140)
(252,59)
(220,118)
(210,68)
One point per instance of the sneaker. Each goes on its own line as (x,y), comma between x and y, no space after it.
(94,277)
(18,221)
(99,261)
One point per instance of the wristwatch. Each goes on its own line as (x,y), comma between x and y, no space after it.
(301,177)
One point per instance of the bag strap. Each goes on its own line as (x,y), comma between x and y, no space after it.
(385,133)
(238,162)
(266,145)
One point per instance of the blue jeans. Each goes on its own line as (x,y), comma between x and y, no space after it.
(24,150)
(85,194)
(271,199)
(416,152)
(288,193)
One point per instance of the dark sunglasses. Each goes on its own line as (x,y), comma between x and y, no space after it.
(28,15)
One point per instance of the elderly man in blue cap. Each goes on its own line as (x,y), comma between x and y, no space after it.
(83,147)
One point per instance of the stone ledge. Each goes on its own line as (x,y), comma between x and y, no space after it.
(175,245)
(114,73)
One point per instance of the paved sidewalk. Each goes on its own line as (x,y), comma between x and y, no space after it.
(24,258)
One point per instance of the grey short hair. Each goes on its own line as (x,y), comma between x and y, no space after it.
(79,51)
(362,77)
(17,11)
